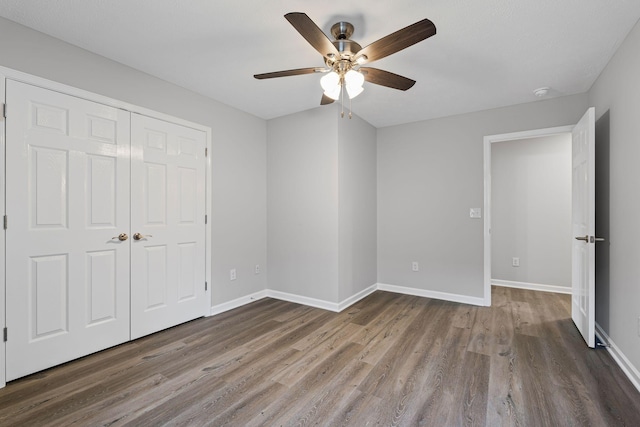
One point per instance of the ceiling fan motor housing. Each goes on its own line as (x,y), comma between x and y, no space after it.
(341,31)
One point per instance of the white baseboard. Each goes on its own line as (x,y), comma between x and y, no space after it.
(299,299)
(532,286)
(627,367)
(357,297)
(432,294)
(238,302)
(338,307)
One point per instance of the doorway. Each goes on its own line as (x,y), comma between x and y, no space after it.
(515,261)
(582,217)
(531,213)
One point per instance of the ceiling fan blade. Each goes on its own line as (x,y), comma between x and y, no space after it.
(287,73)
(386,78)
(325,100)
(313,34)
(397,41)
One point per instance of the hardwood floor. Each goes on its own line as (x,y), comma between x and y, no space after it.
(388,360)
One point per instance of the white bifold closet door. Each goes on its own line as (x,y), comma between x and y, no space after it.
(167,211)
(67,277)
(84,180)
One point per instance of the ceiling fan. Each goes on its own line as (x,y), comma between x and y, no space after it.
(344,58)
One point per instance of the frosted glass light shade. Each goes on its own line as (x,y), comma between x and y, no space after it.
(354,91)
(354,78)
(332,84)
(330,81)
(333,93)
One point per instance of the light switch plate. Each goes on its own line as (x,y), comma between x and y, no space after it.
(475,213)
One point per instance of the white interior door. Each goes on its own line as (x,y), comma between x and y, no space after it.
(168,211)
(67,278)
(583,223)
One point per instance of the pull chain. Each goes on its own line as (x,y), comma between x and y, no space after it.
(342,100)
(349,108)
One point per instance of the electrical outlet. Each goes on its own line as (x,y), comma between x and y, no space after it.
(232,274)
(515,262)
(257,268)
(415,266)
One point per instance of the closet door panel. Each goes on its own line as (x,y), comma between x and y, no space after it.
(67,285)
(167,210)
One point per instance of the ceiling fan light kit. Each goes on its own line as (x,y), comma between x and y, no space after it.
(332,84)
(344,57)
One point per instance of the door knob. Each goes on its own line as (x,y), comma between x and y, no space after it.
(139,236)
(585,238)
(122,237)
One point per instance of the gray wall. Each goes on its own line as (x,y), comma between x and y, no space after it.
(302,204)
(531,210)
(429,175)
(616,96)
(321,210)
(238,151)
(357,206)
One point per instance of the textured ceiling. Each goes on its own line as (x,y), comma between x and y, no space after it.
(486,54)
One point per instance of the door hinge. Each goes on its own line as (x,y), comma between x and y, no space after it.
(205,286)
(206,151)
(5,222)
(205,219)
(4,110)
(4,334)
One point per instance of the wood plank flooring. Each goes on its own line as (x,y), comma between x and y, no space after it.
(390,360)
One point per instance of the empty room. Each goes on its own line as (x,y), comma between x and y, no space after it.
(295,213)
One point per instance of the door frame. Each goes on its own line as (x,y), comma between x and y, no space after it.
(488,140)
(3,292)
(8,73)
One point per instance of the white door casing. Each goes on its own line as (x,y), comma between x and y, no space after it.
(67,278)
(583,227)
(2,235)
(167,207)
